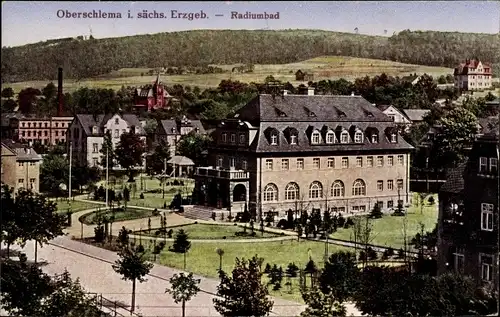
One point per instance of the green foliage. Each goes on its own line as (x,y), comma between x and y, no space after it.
(181,242)
(376,212)
(99,233)
(184,288)
(123,237)
(132,264)
(108,154)
(129,152)
(340,276)
(242,293)
(7,93)
(193,146)
(320,304)
(155,162)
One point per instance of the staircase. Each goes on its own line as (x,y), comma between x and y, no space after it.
(198,213)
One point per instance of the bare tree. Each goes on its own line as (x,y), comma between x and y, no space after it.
(363,233)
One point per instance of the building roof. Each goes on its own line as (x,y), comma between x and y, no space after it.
(181,161)
(464,68)
(5,118)
(383,107)
(88,121)
(23,152)
(489,124)
(495,102)
(173,126)
(416,114)
(455,180)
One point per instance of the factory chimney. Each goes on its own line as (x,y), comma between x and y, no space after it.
(60,96)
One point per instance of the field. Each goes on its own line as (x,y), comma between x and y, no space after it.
(128,214)
(76,205)
(388,230)
(210,231)
(326,67)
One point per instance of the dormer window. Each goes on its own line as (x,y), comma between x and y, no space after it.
(344,137)
(393,138)
(94,130)
(315,137)
(117,121)
(358,137)
(224,137)
(242,138)
(173,130)
(293,139)
(374,138)
(274,138)
(330,137)
(137,130)
(233,138)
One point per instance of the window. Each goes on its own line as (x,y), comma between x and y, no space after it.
(390,204)
(57,133)
(20,181)
(359,161)
(291,191)
(220,160)
(483,163)
(293,138)
(300,164)
(270,192)
(22,124)
(331,162)
(390,160)
(274,138)
(458,260)
(315,137)
(358,137)
(315,190)
(487,217)
(316,162)
(244,164)
(95,161)
(345,162)
(29,124)
(344,137)
(380,161)
(380,186)
(393,138)
(242,138)
(24,133)
(232,162)
(393,117)
(330,137)
(400,183)
(45,133)
(269,164)
(29,133)
(338,189)
(95,148)
(224,137)
(233,138)
(32,163)
(390,184)
(32,181)
(285,164)
(117,121)
(57,125)
(117,133)
(374,138)
(486,261)
(358,188)
(401,159)
(493,165)
(369,161)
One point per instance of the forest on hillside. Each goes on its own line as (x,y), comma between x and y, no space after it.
(86,58)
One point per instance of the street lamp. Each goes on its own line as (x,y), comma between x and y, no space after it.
(220,253)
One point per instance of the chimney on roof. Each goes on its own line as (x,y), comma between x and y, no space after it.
(60,91)
(310,91)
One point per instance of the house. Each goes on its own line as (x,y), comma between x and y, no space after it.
(473,75)
(282,152)
(151,98)
(396,115)
(303,76)
(10,125)
(171,131)
(86,134)
(416,116)
(46,131)
(20,166)
(468,211)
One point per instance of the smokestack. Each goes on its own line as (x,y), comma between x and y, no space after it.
(60,91)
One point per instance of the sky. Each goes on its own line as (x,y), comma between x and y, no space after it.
(35,21)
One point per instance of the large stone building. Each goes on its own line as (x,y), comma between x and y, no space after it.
(20,166)
(171,131)
(468,215)
(473,75)
(86,134)
(283,152)
(46,131)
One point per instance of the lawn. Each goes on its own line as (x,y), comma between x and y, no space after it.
(211,231)
(388,230)
(128,214)
(76,205)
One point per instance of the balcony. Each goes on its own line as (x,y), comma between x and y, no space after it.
(221,173)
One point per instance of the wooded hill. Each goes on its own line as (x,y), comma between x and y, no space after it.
(88,58)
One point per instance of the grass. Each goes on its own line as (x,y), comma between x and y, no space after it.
(76,205)
(209,231)
(324,67)
(128,214)
(388,230)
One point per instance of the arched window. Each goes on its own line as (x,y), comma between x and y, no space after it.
(358,188)
(330,137)
(271,192)
(316,190)
(292,191)
(338,189)
(315,137)
(344,137)
(358,137)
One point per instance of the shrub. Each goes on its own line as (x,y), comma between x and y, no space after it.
(349,223)
(390,251)
(376,212)
(222,217)
(213,216)
(141,196)
(431,200)
(362,256)
(170,233)
(372,255)
(224,238)
(156,212)
(267,269)
(385,255)
(99,233)
(401,254)
(282,224)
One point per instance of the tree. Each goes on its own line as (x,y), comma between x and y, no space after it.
(363,234)
(54,171)
(156,162)
(311,268)
(194,146)
(181,244)
(123,237)
(129,152)
(132,265)
(126,197)
(321,305)
(183,289)
(340,276)
(7,93)
(27,99)
(243,293)
(376,212)
(108,157)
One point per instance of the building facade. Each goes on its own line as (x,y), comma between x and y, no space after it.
(20,166)
(150,98)
(46,131)
(306,152)
(468,215)
(171,131)
(86,134)
(473,75)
